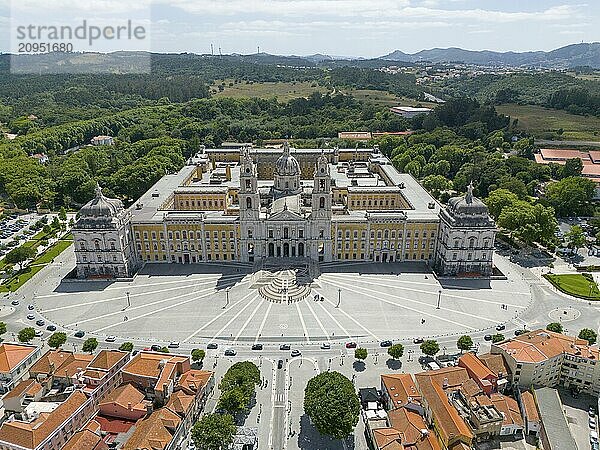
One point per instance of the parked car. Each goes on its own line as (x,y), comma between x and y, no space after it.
(592,423)
(174,344)
(284,347)
(488,337)
(111,338)
(40,323)
(30,316)
(30,307)
(325,346)
(500,327)
(295,353)
(230,352)
(257,347)
(418,340)
(39,333)
(79,334)
(350,344)
(385,343)
(280,364)
(51,328)
(520,332)
(15,302)
(155,348)
(212,346)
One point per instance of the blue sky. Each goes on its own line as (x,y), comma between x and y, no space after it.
(337,27)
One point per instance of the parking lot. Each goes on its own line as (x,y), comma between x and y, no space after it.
(581,422)
(16,227)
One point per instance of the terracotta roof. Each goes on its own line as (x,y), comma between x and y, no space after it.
(85,440)
(562,154)
(194,379)
(410,425)
(388,439)
(496,363)
(180,402)
(106,359)
(25,387)
(124,396)
(31,434)
(153,432)
(470,362)
(509,408)
(61,363)
(400,387)
(149,364)
(113,425)
(446,417)
(12,355)
(540,345)
(530,407)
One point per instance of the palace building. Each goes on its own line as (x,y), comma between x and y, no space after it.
(284,205)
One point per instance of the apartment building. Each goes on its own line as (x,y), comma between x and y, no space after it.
(15,359)
(544,358)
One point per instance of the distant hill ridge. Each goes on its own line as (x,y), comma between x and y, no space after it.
(584,54)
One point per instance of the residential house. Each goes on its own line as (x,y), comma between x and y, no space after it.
(400,391)
(512,423)
(125,402)
(497,364)
(21,395)
(478,371)
(15,359)
(85,440)
(154,431)
(531,416)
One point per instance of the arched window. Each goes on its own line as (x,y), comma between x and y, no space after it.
(97,245)
(248,203)
(322,202)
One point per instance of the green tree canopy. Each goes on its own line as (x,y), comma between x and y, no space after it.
(464,343)
(396,351)
(214,432)
(198,355)
(589,335)
(575,237)
(531,223)
(571,196)
(555,326)
(498,337)
(126,347)
(90,345)
(19,255)
(430,347)
(26,334)
(498,200)
(331,402)
(2,328)
(360,353)
(57,339)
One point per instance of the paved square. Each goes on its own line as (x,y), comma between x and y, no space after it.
(197,304)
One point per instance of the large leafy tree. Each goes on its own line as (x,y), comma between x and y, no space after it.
(331,402)
(57,339)
(90,345)
(360,353)
(19,255)
(529,222)
(26,334)
(214,432)
(575,237)
(588,334)
(238,386)
(555,326)
(498,200)
(430,347)
(571,196)
(396,351)
(464,343)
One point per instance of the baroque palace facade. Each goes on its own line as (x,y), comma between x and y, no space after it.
(252,205)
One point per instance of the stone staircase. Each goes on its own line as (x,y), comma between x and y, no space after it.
(284,288)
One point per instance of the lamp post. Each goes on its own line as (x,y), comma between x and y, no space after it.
(226,297)
(439,299)
(128,301)
(339,298)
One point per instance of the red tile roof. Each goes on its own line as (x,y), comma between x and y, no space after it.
(12,355)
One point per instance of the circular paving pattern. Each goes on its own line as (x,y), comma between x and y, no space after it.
(564,314)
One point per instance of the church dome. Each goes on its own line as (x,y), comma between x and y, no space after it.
(101,206)
(287,164)
(468,210)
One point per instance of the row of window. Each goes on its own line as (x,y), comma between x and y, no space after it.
(184,235)
(356,203)
(193,258)
(385,234)
(98,245)
(99,258)
(386,245)
(185,246)
(205,204)
(384,258)
(484,257)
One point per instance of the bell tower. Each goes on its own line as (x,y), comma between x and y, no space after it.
(321,196)
(248,196)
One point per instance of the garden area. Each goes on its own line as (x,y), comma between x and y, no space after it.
(580,285)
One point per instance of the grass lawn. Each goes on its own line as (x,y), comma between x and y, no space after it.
(20,279)
(282,90)
(52,252)
(539,121)
(576,285)
(38,264)
(384,98)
